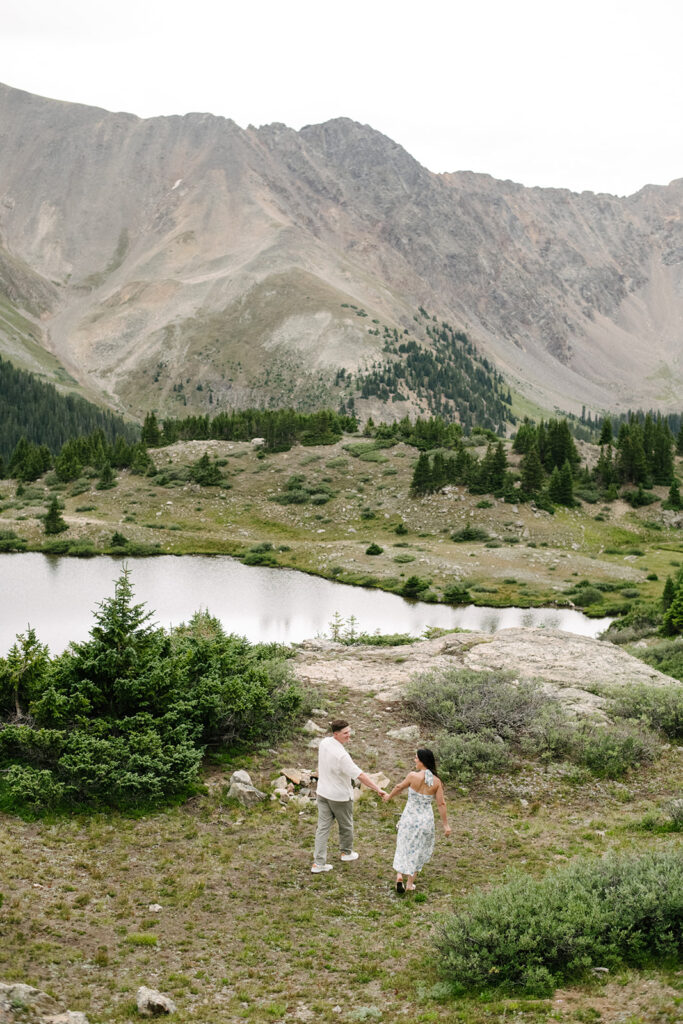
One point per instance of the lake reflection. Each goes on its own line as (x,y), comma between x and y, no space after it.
(57,596)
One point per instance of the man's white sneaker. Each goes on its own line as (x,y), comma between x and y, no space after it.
(317,869)
(350,856)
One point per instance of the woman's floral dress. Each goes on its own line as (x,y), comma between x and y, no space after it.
(415,840)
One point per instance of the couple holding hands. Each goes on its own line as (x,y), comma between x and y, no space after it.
(415,839)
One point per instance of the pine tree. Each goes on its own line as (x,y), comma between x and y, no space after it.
(668,593)
(674,499)
(673,616)
(561,486)
(531,471)
(107,477)
(26,663)
(206,473)
(606,432)
(53,522)
(151,434)
(422,476)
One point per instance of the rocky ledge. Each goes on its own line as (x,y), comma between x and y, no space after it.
(568,666)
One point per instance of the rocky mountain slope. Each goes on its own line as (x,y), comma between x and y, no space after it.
(186,262)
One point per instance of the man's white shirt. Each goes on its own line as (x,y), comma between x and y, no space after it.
(336,770)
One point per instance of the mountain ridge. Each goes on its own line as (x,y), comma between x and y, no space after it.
(149,242)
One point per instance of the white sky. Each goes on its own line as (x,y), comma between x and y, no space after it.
(585,94)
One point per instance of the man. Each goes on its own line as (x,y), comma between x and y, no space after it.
(336,772)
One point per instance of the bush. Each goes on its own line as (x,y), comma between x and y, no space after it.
(463,756)
(469,533)
(586,596)
(487,706)
(475,703)
(641,620)
(374,549)
(456,593)
(414,587)
(10,542)
(35,787)
(535,935)
(610,751)
(659,707)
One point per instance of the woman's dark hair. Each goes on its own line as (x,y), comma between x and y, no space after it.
(428,759)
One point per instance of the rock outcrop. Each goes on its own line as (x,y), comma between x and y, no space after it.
(568,665)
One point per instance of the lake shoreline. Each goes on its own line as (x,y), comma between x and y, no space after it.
(57,597)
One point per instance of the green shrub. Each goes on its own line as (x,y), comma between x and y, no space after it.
(465,755)
(34,787)
(586,596)
(474,703)
(610,751)
(659,707)
(456,593)
(374,549)
(534,935)
(414,587)
(469,533)
(10,542)
(641,620)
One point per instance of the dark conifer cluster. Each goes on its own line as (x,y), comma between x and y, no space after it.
(36,411)
(550,472)
(449,377)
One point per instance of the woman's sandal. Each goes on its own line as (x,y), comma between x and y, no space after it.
(400,886)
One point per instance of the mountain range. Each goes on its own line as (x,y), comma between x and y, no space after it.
(186,264)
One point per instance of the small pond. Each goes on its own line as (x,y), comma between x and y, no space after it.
(57,596)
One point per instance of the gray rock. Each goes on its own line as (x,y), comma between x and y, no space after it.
(248,796)
(152,1003)
(406,732)
(18,994)
(313,728)
(241,776)
(69,1017)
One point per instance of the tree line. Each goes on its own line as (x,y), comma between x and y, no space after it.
(550,469)
(36,411)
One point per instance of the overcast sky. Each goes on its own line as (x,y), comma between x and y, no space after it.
(586,94)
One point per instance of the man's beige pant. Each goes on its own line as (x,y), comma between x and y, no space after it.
(340,811)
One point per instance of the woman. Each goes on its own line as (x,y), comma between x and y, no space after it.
(415,840)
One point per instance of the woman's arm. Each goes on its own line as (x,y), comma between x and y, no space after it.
(441,804)
(399,786)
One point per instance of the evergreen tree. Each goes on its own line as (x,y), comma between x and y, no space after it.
(206,473)
(53,521)
(668,593)
(531,471)
(561,485)
(679,439)
(421,482)
(605,471)
(606,432)
(151,433)
(661,458)
(438,472)
(674,499)
(107,477)
(24,669)
(673,616)
(67,464)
